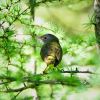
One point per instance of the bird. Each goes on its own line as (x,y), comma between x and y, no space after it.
(51,51)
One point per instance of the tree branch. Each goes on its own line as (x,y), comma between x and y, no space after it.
(19,89)
(97,20)
(37,83)
(77,71)
(34,78)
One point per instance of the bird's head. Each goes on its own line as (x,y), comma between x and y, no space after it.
(47,38)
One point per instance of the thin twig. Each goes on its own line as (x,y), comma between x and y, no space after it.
(14,98)
(77,71)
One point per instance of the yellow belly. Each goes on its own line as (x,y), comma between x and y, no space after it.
(49,60)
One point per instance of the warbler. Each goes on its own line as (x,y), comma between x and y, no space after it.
(51,51)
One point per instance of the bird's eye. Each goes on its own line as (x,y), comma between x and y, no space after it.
(45,38)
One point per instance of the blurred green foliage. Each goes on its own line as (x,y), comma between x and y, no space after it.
(21,67)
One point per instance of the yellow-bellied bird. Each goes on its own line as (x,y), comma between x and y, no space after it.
(51,51)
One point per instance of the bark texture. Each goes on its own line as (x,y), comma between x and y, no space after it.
(97,20)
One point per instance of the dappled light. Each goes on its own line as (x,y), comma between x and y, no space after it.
(71,75)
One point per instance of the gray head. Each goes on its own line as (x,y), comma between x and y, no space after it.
(49,38)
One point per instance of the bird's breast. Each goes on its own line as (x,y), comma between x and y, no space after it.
(49,59)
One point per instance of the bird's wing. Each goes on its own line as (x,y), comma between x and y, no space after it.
(57,52)
(58,55)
